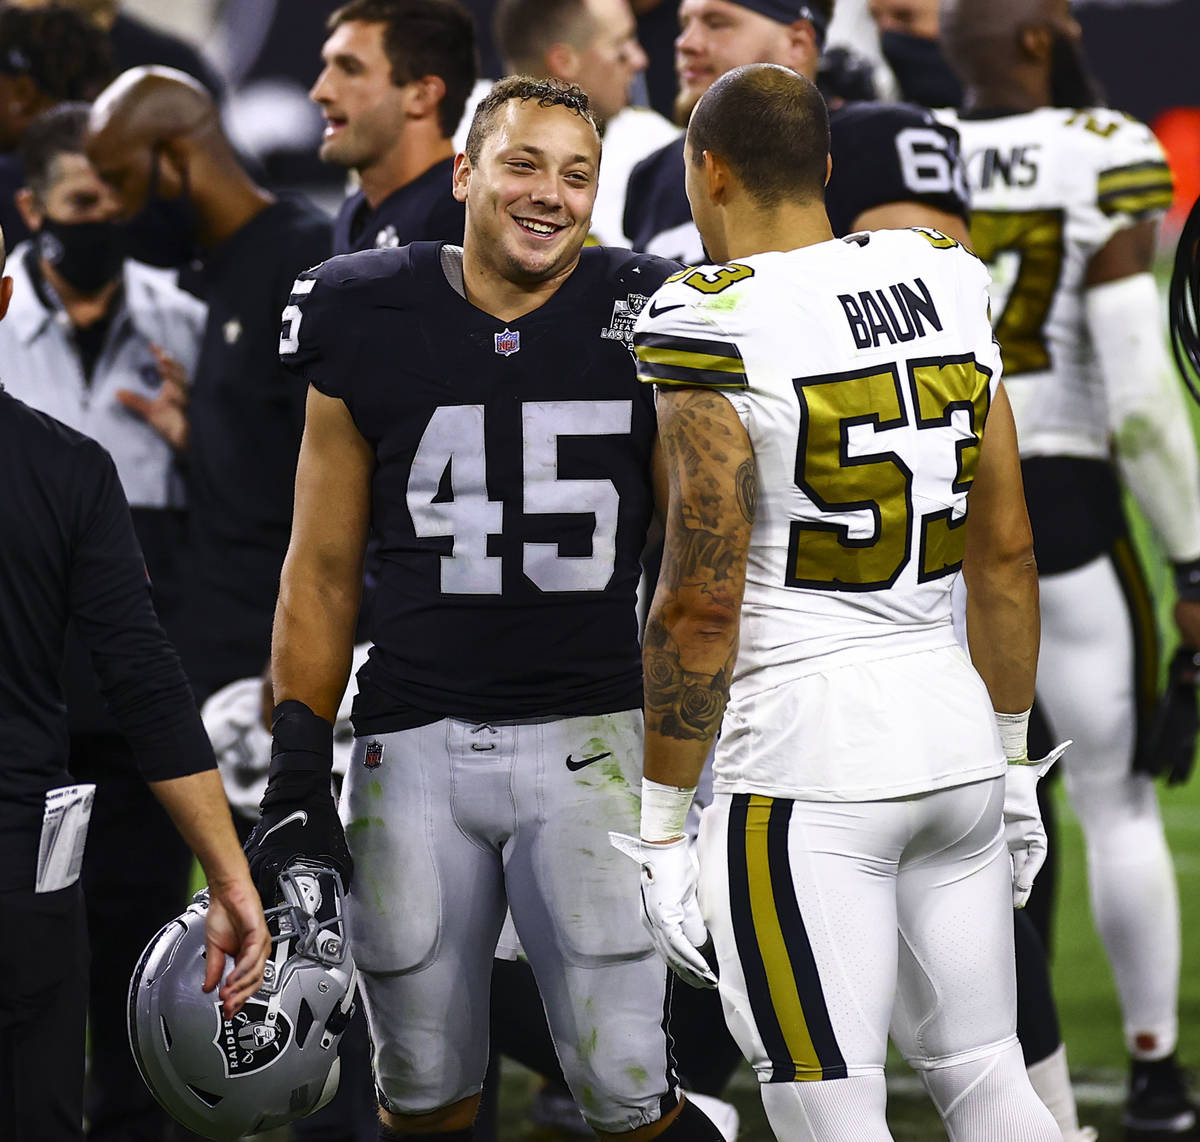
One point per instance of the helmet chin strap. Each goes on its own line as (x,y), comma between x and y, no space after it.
(340,1018)
(280,956)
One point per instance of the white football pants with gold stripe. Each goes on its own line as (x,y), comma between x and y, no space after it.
(834,920)
(1098,663)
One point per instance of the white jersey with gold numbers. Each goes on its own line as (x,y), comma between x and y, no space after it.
(1048,189)
(862,369)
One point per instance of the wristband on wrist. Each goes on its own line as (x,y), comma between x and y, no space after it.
(1014,729)
(1187,580)
(664,810)
(301,741)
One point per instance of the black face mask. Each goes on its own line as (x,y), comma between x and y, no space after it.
(1071,83)
(87,255)
(924,76)
(163,232)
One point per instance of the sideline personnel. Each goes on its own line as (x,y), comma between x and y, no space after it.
(155,137)
(68,553)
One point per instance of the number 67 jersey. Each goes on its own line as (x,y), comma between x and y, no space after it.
(512,489)
(862,369)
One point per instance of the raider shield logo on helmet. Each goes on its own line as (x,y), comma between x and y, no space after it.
(252,1039)
(276,1060)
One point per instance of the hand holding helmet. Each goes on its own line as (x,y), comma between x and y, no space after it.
(234,926)
(258,1061)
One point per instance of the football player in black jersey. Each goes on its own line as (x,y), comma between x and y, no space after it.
(477,409)
(893,164)
(395,80)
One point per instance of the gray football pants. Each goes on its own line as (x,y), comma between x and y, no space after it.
(449,823)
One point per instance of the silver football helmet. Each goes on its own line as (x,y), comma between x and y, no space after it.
(276,1060)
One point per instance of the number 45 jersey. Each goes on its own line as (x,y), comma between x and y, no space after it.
(1048,189)
(512,489)
(862,369)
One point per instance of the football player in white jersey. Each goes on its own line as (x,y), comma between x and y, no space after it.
(1064,206)
(822,407)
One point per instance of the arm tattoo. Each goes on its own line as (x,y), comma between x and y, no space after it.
(689,649)
(747,489)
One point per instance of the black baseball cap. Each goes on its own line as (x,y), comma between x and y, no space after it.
(785,13)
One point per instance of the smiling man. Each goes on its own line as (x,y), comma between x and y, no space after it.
(477,410)
(395,80)
(592,43)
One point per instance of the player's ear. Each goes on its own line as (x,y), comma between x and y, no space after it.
(717,176)
(6,288)
(828,168)
(27,207)
(803,52)
(461,178)
(1036,42)
(424,96)
(175,159)
(562,61)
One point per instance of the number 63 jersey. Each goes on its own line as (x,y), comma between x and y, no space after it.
(1048,189)
(862,369)
(512,491)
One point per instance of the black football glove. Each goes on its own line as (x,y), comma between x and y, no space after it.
(1170,744)
(299,818)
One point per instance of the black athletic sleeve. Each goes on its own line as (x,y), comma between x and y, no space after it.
(892,152)
(109,600)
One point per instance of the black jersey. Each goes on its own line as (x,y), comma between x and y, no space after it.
(511,494)
(882,153)
(423,210)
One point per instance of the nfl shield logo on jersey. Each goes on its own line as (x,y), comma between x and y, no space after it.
(373,758)
(508,342)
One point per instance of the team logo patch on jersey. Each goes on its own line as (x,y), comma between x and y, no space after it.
(248,1042)
(387,238)
(373,758)
(508,342)
(625,313)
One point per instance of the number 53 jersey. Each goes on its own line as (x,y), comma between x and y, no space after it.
(1048,189)
(863,370)
(512,489)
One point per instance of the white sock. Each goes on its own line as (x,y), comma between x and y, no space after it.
(831,1110)
(1052,1082)
(1136,908)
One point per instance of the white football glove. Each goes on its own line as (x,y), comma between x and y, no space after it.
(1023,830)
(670,909)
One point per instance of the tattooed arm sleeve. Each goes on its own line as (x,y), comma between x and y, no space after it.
(691,635)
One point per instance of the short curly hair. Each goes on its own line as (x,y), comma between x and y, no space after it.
(546,92)
(66,55)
